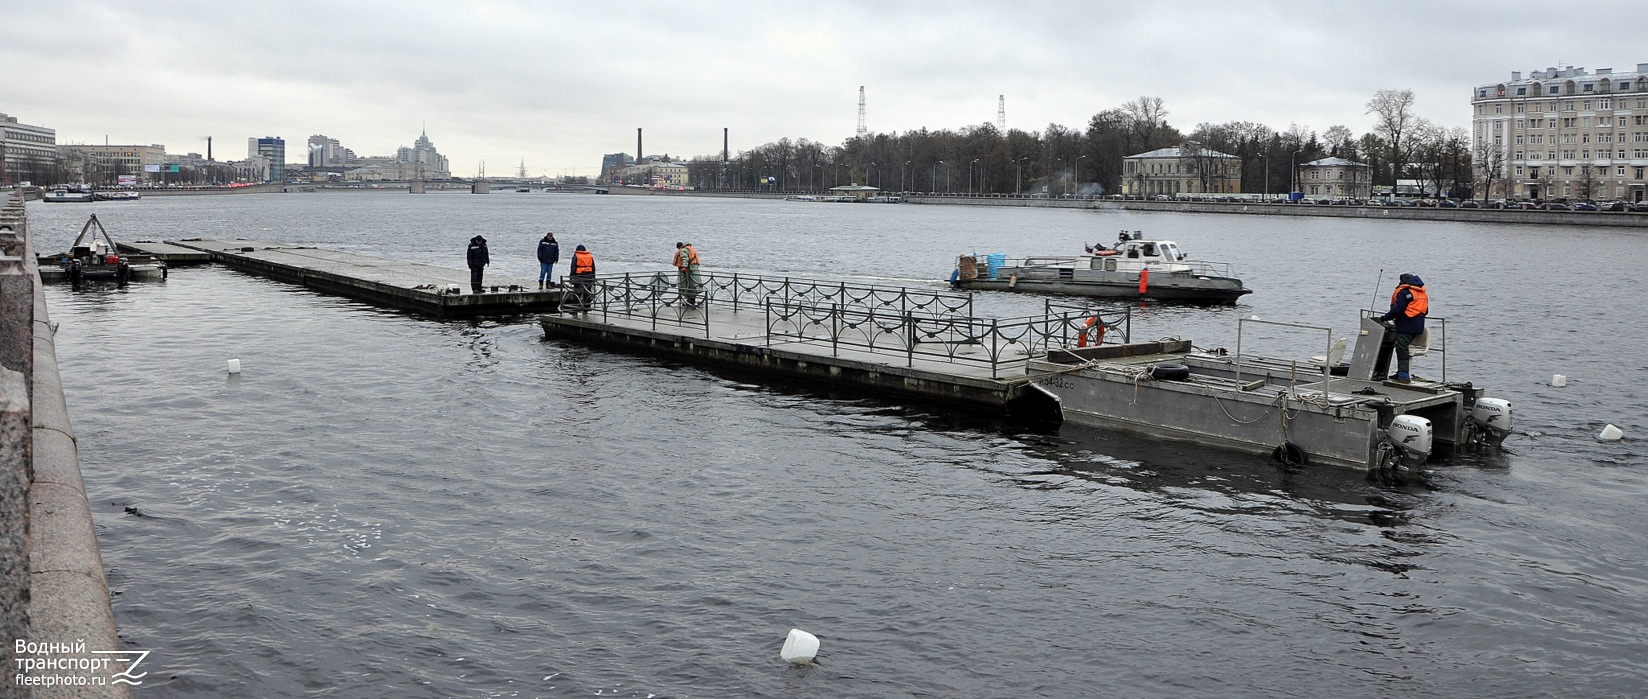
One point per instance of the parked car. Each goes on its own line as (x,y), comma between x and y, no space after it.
(1447,204)
(1531,206)
(1640,207)
(1585,206)
(1558,206)
(1613,206)
(1469,204)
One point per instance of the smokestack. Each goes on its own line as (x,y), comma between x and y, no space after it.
(723,145)
(637,145)
(208,149)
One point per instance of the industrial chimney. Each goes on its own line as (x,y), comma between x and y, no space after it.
(637,145)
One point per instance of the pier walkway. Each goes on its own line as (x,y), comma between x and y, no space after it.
(172,255)
(438,291)
(890,340)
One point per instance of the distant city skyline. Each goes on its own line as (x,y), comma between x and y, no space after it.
(558,86)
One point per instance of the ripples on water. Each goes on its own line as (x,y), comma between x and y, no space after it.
(384,505)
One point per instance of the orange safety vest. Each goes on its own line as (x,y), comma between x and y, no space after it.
(1420,304)
(583,262)
(690,257)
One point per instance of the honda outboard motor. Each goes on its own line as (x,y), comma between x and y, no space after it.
(1491,420)
(1411,436)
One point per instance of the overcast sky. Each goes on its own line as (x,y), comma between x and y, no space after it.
(558,84)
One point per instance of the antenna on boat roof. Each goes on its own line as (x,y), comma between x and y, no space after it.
(1373,303)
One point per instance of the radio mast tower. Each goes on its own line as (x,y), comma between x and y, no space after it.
(1001,113)
(861,129)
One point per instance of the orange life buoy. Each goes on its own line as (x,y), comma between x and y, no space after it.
(1087,329)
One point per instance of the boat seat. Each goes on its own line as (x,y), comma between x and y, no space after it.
(1336,354)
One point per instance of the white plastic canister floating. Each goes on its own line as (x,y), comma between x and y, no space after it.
(799,647)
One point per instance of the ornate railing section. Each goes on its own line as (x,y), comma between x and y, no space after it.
(913,323)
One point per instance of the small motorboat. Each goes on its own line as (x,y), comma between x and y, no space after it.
(74,193)
(95,256)
(1134,268)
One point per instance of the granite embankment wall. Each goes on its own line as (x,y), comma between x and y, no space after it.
(54,599)
(1492,216)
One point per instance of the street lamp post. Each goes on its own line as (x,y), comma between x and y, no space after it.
(902,172)
(867,174)
(1018,174)
(1077,174)
(935,176)
(1060,161)
(1293,166)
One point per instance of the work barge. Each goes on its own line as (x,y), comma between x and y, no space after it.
(1067,363)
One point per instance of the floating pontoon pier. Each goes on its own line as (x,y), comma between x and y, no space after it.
(891,340)
(172,255)
(437,291)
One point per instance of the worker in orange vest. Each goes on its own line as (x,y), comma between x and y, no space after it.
(686,265)
(1409,305)
(583,281)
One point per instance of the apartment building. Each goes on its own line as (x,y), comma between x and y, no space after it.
(1564,133)
(27,152)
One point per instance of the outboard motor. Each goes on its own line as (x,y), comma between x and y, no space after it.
(1490,422)
(1409,440)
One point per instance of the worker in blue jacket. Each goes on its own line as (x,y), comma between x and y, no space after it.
(478,260)
(549,253)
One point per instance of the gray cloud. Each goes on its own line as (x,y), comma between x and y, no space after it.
(558,84)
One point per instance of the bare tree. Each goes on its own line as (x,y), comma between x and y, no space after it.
(1587,183)
(1428,143)
(1490,166)
(1394,123)
(1148,117)
(1341,144)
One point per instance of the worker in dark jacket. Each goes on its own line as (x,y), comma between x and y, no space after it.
(1409,305)
(549,253)
(479,258)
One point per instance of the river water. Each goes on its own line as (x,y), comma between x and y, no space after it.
(387,505)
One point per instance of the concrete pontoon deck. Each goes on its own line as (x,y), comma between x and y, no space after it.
(437,291)
(172,255)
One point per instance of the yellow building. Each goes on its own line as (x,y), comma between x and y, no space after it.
(1173,171)
(1336,177)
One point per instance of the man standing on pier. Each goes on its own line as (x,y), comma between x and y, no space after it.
(478,260)
(686,263)
(549,253)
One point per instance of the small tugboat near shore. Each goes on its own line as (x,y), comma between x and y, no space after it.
(1301,411)
(94,255)
(1134,268)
